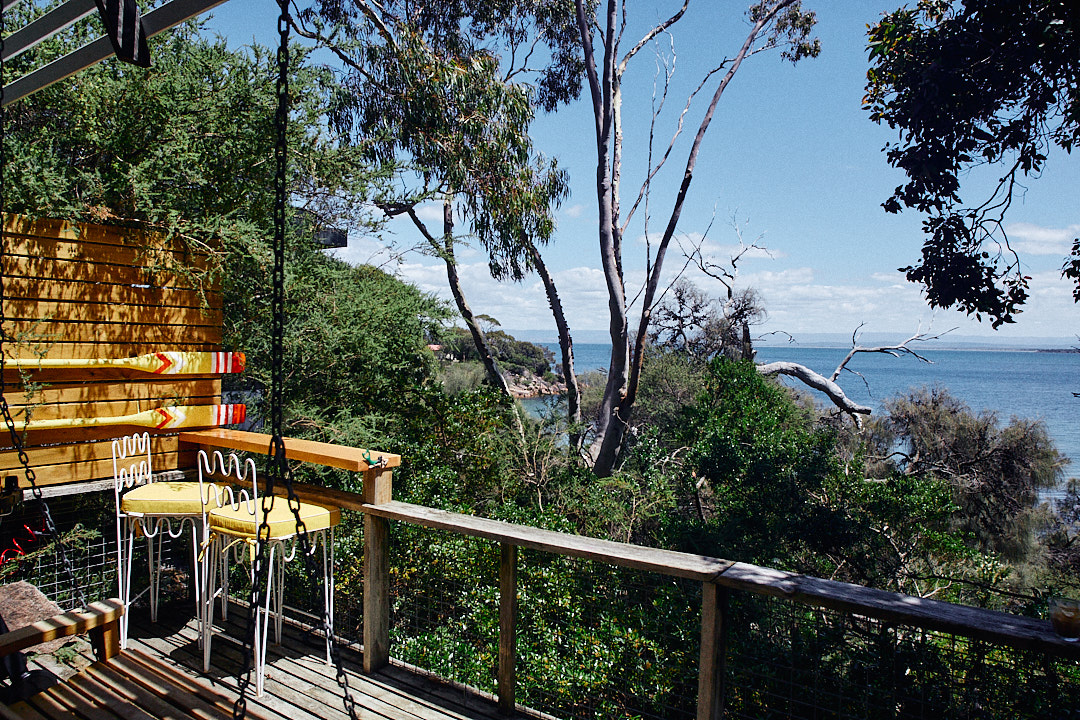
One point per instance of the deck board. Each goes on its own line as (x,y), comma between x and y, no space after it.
(299,683)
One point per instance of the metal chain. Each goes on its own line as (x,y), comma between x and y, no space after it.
(16,439)
(279,466)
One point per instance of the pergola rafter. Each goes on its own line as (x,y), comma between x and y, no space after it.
(156,21)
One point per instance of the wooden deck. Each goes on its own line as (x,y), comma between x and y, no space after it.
(299,683)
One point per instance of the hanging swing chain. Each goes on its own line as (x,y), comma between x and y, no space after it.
(279,466)
(16,438)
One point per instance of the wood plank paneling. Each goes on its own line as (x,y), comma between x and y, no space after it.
(91,272)
(55,377)
(87,291)
(61,350)
(38,289)
(58,436)
(152,387)
(164,337)
(81,452)
(93,470)
(86,312)
(113,408)
(22,226)
(129,255)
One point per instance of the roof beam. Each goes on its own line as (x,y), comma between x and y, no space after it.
(157,20)
(46,26)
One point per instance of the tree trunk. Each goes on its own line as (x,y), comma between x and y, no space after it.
(624,371)
(566,345)
(609,431)
(483,350)
(816,381)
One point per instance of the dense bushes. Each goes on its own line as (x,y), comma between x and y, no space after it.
(512,355)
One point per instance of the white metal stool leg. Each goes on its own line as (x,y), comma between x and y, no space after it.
(153,542)
(328,588)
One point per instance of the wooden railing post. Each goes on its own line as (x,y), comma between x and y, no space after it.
(507,628)
(711,668)
(105,639)
(377,490)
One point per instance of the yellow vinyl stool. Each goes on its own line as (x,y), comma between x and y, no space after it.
(148,508)
(233,524)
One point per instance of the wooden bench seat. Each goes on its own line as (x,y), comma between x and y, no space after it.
(129,684)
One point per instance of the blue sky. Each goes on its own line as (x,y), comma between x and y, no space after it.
(790,158)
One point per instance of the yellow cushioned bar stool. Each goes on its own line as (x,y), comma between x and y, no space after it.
(233,525)
(154,510)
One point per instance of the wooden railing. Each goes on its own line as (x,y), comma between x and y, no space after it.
(717,577)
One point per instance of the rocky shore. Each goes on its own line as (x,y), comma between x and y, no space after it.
(527,385)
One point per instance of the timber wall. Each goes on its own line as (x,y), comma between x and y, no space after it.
(92,291)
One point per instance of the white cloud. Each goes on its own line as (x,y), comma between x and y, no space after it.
(575,211)
(798,299)
(1031,239)
(430,212)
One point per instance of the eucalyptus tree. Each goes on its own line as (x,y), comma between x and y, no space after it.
(424,90)
(781,24)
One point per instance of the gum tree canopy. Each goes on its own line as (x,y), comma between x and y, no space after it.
(970,83)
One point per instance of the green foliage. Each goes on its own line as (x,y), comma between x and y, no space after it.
(994,472)
(185,144)
(461,450)
(512,354)
(451,120)
(1063,541)
(979,81)
(458,376)
(355,338)
(627,647)
(768,469)
(671,382)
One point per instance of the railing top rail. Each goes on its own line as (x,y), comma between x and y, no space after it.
(320,453)
(667,562)
(990,625)
(1015,631)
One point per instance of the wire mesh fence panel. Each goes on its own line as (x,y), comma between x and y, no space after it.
(444,597)
(786,660)
(598,641)
(87,523)
(89,532)
(304,591)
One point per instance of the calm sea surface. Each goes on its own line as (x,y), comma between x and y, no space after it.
(1012,383)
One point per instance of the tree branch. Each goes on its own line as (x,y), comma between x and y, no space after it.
(651,34)
(818,382)
(894,350)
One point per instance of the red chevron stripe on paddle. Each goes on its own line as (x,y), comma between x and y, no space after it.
(166,363)
(166,416)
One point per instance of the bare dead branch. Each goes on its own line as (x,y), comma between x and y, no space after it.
(662,27)
(818,382)
(895,350)
(643,191)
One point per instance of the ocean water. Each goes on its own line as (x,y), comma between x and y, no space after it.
(1011,383)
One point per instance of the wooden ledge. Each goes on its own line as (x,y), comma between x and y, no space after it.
(320,453)
(97,615)
(667,562)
